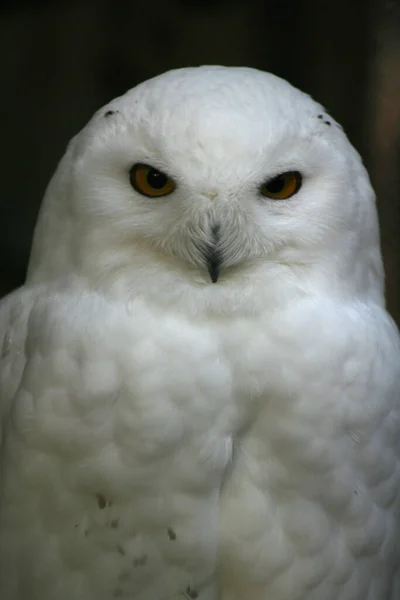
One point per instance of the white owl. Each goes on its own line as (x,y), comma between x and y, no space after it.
(199,381)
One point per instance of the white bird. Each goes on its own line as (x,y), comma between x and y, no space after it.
(199,380)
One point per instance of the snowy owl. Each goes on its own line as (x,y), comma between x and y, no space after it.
(199,380)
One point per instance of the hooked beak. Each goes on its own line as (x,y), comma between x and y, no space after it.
(212,254)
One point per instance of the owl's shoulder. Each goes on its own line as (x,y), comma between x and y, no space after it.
(15,309)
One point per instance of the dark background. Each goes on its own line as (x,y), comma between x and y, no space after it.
(61,60)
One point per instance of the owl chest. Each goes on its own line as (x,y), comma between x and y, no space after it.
(124,452)
(190,387)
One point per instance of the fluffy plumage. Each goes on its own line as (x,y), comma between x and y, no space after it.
(164,436)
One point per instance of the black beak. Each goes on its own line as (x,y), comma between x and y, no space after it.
(213,255)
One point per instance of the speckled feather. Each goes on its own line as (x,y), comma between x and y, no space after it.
(165,437)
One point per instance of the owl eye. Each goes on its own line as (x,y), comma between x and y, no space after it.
(149,181)
(283,186)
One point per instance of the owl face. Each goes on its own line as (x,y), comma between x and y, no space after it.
(212,174)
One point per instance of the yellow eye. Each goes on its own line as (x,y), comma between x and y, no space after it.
(283,186)
(149,181)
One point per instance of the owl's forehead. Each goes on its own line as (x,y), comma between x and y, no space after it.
(218,101)
(208,104)
(209,116)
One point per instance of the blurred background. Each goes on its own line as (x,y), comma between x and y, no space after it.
(61,60)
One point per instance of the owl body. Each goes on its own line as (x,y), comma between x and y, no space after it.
(199,390)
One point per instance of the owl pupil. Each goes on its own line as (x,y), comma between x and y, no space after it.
(156,179)
(276,185)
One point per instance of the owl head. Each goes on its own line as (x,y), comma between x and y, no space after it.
(216,186)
